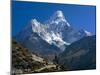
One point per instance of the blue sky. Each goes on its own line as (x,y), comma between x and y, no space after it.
(79,16)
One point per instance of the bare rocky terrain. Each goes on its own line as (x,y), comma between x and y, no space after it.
(24,62)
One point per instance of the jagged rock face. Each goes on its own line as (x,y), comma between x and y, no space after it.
(51,37)
(80,55)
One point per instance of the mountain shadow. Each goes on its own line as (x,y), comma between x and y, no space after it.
(80,55)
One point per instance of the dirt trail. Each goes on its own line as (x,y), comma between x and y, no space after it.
(46,67)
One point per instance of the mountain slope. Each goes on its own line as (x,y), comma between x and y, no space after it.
(36,44)
(79,55)
(24,61)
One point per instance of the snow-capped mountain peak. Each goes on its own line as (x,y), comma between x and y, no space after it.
(35,25)
(87,33)
(34,22)
(51,33)
(59,14)
(58,18)
(55,31)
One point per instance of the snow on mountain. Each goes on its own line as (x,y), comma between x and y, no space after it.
(50,31)
(55,31)
(56,18)
(82,33)
(57,22)
(59,14)
(88,33)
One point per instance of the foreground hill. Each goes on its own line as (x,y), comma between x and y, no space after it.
(24,61)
